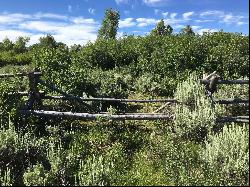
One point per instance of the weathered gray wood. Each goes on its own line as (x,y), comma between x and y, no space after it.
(162,107)
(17,74)
(209,76)
(24,93)
(203,81)
(112,99)
(231,101)
(34,94)
(66,95)
(242,119)
(53,88)
(139,113)
(71,115)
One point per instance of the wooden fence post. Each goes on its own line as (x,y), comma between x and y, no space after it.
(34,94)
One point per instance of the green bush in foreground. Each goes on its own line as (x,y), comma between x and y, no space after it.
(228,154)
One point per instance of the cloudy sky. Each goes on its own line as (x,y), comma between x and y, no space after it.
(77,21)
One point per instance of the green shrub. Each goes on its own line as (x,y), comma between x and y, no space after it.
(95,172)
(35,176)
(228,154)
(196,115)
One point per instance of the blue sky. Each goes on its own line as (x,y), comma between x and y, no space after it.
(78,21)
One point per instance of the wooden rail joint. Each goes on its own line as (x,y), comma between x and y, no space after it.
(34,94)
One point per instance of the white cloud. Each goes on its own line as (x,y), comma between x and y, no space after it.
(142,22)
(81,20)
(173,15)
(121,1)
(6,18)
(203,21)
(242,23)
(12,34)
(212,13)
(174,21)
(127,22)
(155,2)
(195,27)
(186,15)
(91,11)
(165,14)
(40,15)
(178,26)
(229,19)
(42,26)
(223,17)
(201,31)
(69,30)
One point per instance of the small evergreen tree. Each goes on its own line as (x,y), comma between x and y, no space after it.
(109,25)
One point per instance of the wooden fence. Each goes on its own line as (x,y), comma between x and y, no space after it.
(36,96)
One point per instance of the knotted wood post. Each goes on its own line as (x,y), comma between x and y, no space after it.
(34,94)
(210,82)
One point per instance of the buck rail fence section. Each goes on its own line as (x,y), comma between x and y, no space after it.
(36,96)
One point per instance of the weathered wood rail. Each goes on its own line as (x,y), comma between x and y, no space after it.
(243,119)
(226,81)
(36,96)
(61,97)
(8,75)
(71,115)
(144,116)
(114,100)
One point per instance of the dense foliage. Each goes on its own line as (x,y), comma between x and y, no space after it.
(191,150)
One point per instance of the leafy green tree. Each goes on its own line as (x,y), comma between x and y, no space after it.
(187,30)
(6,45)
(20,44)
(109,25)
(161,29)
(47,41)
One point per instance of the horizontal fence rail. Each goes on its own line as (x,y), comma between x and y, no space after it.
(113,99)
(169,101)
(24,93)
(243,119)
(18,74)
(72,115)
(203,81)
